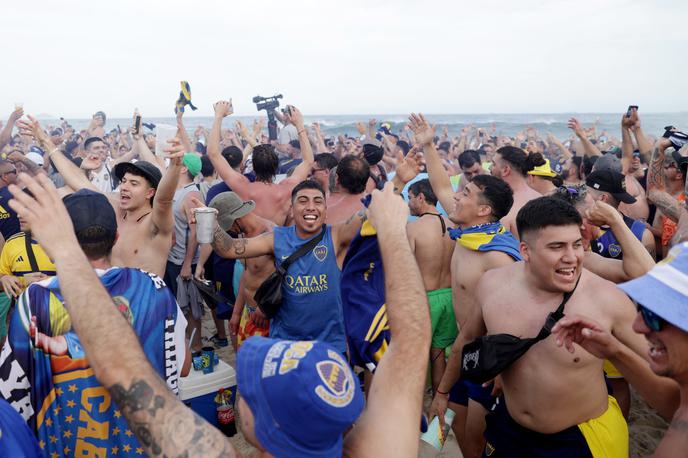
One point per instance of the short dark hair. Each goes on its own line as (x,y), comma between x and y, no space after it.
(306,184)
(446,146)
(496,193)
(423,187)
(326,160)
(589,163)
(516,157)
(207,168)
(89,141)
(233,155)
(353,173)
(546,211)
(265,162)
(96,250)
(405,147)
(295,144)
(468,158)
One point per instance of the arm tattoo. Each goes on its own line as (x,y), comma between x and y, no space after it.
(164,426)
(360,215)
(670,206)
(239,246)
(32,167)
(680,425)
(222,242)
(655,174)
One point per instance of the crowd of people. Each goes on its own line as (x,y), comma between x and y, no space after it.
(526,282)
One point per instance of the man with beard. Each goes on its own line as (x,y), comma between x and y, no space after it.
(483,244)
(143,205)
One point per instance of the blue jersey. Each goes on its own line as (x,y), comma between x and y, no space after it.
(363,300)
(49,381)
(9,223)
(311,306)
(222,268)
(606,244)
(16,439)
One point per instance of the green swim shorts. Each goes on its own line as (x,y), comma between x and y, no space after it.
(442,318)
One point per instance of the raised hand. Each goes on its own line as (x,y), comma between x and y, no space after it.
(32,128)
(16,114)
(361,128)
(223,108)
(295,117)
(587,333)
(387,210)
(601,214)
(175,151)
(410,166)
(575,126)
(243,131)
(422,132)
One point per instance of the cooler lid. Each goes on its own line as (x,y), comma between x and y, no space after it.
(199,384)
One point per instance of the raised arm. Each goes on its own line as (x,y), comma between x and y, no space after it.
(162,217)
(644,145)
(626,141)
(439,179)
(6,132)
(181,133)
(555,141)
(588,147)
(319,140)
(636,260)
(235,180)
(303,170)
(163,425)
(32,168)
(656,184)
(74,177)
(389,424)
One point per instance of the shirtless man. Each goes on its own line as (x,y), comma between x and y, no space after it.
(510,164)
(432,247)
(145,225)
(350,185)
(238,218)
(272,199)
(483,201)
(551,398)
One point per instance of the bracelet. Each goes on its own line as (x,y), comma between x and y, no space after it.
(440,392)
(299,132)
(50,154)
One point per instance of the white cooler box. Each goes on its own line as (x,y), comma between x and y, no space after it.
(198,390)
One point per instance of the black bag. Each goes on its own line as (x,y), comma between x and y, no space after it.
(269,294)
(488,356)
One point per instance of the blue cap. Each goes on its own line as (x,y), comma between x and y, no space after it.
(89,209)
(303,395)
(664,289)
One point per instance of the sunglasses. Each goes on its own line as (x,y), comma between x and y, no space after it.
(671,165)
(651,319)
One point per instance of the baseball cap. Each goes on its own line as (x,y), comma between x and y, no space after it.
(302,394)
(88,209)
(143,168)
(230,207)
(35,158)
(608,162)
(543,170)
(664,289)
(193,163)
(611,182)
(372,152)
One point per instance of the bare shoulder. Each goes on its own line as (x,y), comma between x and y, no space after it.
(499,280)
(496,259)
(604,292)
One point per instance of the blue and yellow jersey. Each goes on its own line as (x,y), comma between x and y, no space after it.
(363,300)
(14,259)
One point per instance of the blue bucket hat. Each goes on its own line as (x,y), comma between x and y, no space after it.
(664,289)
(302,394)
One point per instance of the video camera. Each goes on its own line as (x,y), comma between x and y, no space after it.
(269,104)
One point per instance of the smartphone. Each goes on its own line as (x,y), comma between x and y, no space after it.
(137,124)
(669,128)
(629,112)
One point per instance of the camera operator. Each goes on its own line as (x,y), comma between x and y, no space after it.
(287,134)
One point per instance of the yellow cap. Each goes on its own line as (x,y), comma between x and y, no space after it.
(543,170)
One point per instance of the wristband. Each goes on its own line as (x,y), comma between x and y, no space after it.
(441,392)
(50,154)
(299,132)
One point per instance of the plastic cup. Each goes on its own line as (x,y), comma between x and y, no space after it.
(435,435)
(163,132)
(197,361)
(18,105)
(208,358)
(205,224)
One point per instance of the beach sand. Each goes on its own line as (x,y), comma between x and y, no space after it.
(646,428)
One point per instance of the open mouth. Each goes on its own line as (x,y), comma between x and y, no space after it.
(567,273)
(657,349)
(310,217)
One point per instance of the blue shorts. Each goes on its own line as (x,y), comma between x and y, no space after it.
(463,390)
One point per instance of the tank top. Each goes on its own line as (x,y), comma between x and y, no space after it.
(606,244)
(311,306)
(181,227)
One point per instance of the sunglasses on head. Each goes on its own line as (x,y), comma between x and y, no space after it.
(651,319)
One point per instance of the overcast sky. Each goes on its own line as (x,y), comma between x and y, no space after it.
(73,57)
